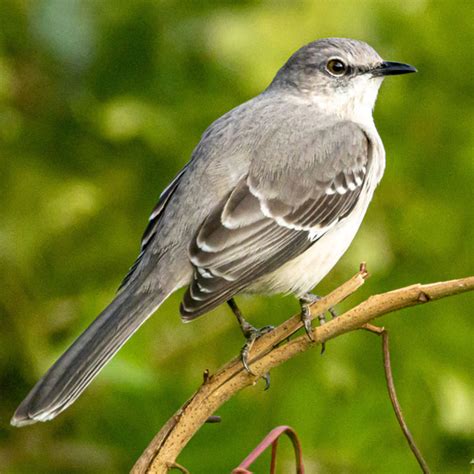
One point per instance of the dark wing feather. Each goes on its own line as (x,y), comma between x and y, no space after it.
(153,220)
(273,215)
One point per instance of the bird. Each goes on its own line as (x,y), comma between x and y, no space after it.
(270,200)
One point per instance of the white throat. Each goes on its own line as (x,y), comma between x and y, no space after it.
(355,104)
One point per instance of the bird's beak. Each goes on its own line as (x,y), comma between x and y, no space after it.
(389,68)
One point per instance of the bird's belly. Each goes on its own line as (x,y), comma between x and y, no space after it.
(303,273)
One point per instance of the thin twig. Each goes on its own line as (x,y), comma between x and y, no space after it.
(372,328)
(175,465)
(396,405)
(272,350)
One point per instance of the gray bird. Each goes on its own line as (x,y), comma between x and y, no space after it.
(272,197)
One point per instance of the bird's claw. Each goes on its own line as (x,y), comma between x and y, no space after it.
(252,334)
(306,318)
(333,312)
(305,302)
(266,377)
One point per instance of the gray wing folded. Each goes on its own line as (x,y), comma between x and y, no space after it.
(276,212)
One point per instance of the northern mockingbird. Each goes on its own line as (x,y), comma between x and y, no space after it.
(272,197)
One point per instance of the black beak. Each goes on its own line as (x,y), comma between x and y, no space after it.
(389,68)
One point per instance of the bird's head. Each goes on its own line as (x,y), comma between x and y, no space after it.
(340,75)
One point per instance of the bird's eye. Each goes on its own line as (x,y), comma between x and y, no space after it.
(336,67)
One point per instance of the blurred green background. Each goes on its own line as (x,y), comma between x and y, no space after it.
(101,104)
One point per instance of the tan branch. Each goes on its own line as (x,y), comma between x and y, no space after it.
(272,350)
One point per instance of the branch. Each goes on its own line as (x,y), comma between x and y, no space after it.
(396,405)
(272,349)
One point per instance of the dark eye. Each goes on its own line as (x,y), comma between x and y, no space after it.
(336,67)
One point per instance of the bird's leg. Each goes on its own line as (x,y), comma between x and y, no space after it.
(306,301)
(245,326)
(251,334)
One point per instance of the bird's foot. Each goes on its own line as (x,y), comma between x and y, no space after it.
(306,301)
(251,335)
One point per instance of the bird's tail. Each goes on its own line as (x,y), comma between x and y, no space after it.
(75,369)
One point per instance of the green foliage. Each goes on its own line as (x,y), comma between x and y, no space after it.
(101,104)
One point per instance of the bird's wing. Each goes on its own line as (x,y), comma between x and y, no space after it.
(276,212)
(150,230)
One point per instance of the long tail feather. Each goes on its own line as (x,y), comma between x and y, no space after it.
(75,369)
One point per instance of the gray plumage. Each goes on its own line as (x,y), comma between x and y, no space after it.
(272,197)
(276,211)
